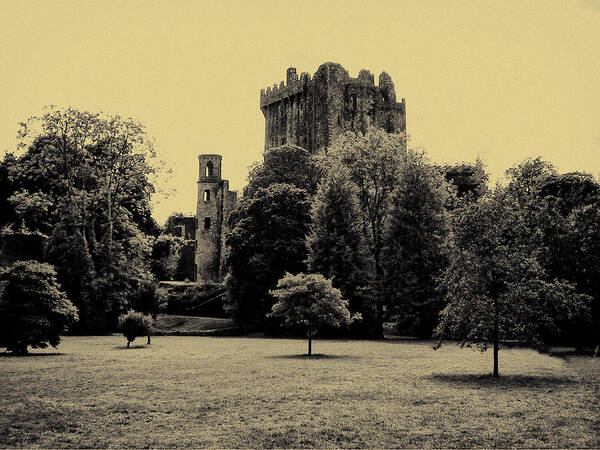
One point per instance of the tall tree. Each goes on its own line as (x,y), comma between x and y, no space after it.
(335,244)
(373,161)
(415,253)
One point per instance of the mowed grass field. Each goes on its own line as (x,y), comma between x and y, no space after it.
(252,392)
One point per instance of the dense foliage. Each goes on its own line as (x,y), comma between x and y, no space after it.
(495,287)
(268,238)
(268,231)
(34,312)
(84,179)
(373,161)
(415,253)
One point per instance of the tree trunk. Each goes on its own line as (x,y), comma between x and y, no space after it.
(110,224)
(309,346)
(495,339)
(148,339)
(128,342)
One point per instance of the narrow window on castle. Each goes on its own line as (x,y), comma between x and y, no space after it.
(207,195)
(207,223)
(209,169)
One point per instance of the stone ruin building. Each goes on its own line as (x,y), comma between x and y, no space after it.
(215,202)
(306,111)
(312,112)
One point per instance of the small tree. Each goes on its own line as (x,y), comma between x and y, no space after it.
(309,302)
(33,310)
(134,324)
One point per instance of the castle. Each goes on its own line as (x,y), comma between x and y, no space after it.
(312,112)
(307,112)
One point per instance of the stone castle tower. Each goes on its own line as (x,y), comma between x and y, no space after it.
(312,112)
(215,202)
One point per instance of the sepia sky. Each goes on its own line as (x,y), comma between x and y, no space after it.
(503,80)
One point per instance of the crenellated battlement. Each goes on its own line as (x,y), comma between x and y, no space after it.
(294,85)
(291,86)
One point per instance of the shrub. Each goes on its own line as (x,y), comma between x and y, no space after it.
(33,310)
(134,324)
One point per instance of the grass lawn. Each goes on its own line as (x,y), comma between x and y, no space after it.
(241,392)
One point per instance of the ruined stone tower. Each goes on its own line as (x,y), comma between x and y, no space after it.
(215,201)
(312,112)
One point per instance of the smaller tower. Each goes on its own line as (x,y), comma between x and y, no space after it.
(215,201)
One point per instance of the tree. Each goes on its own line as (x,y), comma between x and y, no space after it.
(85,180)
(33,310)
(469,179)
(7,188)
(287,164)
(415,252)
(335,244)
(524,178)
(559,208)
(568,206)
(267,238)
(495,287)
(309,302)
(373,161)
(134,324)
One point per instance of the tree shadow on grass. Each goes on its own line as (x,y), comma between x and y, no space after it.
(28,355)
(313,356)
(507,381)
(132,347)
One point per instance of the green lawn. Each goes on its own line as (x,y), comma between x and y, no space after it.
(241,392)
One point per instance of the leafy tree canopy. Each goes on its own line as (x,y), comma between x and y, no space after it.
(415,251)
(33,310)
(85,179)
(287,164)
(309,302)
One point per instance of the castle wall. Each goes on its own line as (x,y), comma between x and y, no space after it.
(312,112)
